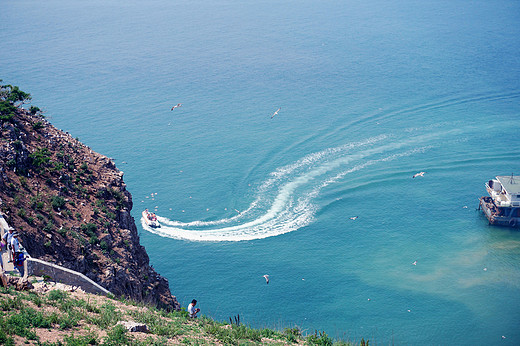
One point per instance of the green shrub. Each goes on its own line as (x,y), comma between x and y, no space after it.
(157,326)
(119,197)
(234,334)
(21,212)
(58,166)
(5,340)
(49,227)
(20,323)
(37,125)
(57,296)
(36,203)
(84,169)
(40,157)
(103,244)
(90,229)
(23,182)
(81,303)
(116,336)
(320,338)
(34,110)
(62,231)
(93,240)
(86,340)
(35,298)
(267,333)
(57,202)
(108,316)
(292,334)
(9,304)
(70,320)
(7,111)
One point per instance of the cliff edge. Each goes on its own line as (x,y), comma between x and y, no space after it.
(71,206)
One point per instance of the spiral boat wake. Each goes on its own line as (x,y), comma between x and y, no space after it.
(285,201)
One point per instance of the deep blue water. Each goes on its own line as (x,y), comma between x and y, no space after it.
(371,92)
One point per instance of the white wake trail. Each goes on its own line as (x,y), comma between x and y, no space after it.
(287,195)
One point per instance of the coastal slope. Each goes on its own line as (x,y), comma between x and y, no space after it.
(71,206)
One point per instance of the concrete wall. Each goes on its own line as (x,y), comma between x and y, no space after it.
(60,274)
(3,224)
(33,266)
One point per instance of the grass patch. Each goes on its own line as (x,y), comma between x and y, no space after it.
(25,314)
(108,316)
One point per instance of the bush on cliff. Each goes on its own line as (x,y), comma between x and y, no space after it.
(11,97)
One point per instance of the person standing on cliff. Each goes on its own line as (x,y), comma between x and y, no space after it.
(18,256)
(8,236)
(192,310)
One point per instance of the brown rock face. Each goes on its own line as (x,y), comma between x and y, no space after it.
(71,206)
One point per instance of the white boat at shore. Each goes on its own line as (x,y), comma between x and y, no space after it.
(502,207)
(150,219)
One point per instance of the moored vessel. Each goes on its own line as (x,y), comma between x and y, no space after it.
(502,206)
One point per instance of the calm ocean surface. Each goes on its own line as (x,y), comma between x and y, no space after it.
(370,92)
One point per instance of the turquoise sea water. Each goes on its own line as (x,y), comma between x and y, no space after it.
(371,92)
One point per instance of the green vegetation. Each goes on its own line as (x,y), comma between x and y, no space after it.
(34,110)
(82,320)
(40,157)
(49,227)
(57,202)
(21,213)
(37,125)
(11,97)
(103,244)
(90,229)
(6,111)
(37,203)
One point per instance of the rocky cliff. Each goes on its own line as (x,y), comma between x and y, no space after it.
(72,208)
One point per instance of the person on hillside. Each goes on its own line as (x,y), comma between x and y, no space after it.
(18,257)
(192,310)
(6,239)
(15,242)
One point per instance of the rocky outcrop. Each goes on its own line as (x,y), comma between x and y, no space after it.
(73,209)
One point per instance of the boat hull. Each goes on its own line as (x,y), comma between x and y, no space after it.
(502,216)
(148,222)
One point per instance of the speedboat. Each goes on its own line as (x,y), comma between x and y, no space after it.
(150,219)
